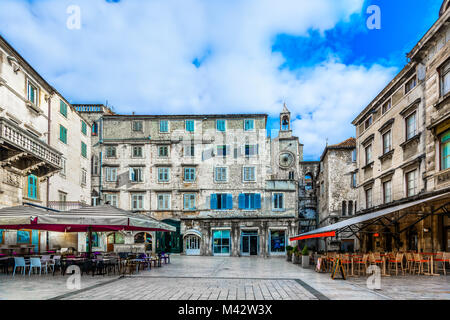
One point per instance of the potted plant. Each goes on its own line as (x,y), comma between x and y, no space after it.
(305,257)
(289,250)
(296,255)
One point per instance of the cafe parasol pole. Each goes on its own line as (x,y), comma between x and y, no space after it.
(90,242)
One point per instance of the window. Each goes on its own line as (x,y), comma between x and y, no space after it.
(411,130)
(163,126)
(32,93)
(350,208)
(189,150)
(387,191)
(277,241)
(220,125)
(444,74)
(387,142)
(137,151)
(95,165)
(83,127)
(189,201)
(221,242)
(84,149)
(137,125)
(137,202)
(249,174)
(221,201)
(63,134)
(163,174)
(445,150)
(189,174)
(163,151)
(83,177)
(111,174)
(251,150)
(222,151)
(368,151)
(135,175)
(368,122)
(368,198)
(111,199)
(94,128)
(190,125)
(249,124)
(354,155)
(63,166)
(386,106)
(63,108)
(353,184)
(291,175)
(344,208)
(32,187)
(163,201)
(411,183)
(410,85)
(249,201)
(221,174)
(278,201)
(111,152)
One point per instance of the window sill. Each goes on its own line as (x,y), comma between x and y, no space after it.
(33,107)
(410,141)
(367,166)
(387,155)
(442,101)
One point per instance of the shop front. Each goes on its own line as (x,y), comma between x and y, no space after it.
(249,243)
(277,242)
(221,242)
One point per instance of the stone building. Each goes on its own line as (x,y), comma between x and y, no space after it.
(307,199)
(336,192)
(45,147)
(402,148)
(242,229)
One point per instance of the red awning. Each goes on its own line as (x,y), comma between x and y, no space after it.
(317,235)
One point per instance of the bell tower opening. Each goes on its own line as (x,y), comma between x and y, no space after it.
(285,119)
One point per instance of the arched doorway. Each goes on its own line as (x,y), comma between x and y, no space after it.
(112,239)
(144,237)
(192,242)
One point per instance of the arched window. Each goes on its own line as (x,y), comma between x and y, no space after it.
(308,182)
(344,208)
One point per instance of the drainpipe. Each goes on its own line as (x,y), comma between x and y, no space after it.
(100,142)
(48,142)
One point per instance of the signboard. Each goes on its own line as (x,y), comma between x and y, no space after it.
(338,267)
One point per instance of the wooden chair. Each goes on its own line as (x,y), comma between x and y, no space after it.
(361,262)
(443,258)
(346,262)
(398,260)
(418,263)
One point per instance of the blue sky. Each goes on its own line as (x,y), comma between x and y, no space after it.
(199,56)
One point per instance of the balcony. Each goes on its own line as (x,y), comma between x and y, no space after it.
(25,153)
(66,205)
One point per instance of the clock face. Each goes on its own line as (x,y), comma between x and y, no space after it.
(286,159)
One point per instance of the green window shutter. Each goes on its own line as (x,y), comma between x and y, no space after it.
(83,149)
(62,134)
(63,108)
(83,127)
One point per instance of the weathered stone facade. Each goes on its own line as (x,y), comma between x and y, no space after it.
(337,197)
(36,166)
(400,156)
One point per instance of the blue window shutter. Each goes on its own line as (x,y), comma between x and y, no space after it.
(257,198)
(241,201)
(229,201)
(213,201)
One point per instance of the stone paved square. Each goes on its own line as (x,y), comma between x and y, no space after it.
(224,278)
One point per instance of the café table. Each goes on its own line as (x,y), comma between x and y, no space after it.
(430,257)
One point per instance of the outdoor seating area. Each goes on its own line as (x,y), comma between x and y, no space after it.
(390,263)
(98,263)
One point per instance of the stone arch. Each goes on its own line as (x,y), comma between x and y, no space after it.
(445,5)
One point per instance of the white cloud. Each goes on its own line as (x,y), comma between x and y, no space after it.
(138,55)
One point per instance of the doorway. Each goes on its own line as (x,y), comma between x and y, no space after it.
(249,243)
(192,245)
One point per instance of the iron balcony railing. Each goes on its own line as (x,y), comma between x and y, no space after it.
(21,139)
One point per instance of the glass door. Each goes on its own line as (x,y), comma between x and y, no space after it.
(221,242)
(192,245)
